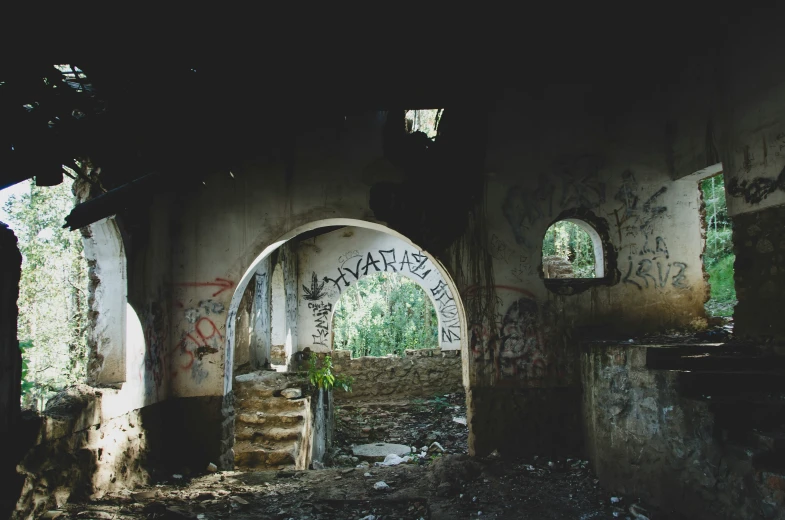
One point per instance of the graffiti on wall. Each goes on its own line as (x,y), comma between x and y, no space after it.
(222,283)
(652,268)
(155,331)
(574,183)
(527,342)
(499,249)
(354,265)
(756,190)
(634,217)
(201,335)
(321,315)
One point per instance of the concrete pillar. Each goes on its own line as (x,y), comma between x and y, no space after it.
(288,260)
(261,316)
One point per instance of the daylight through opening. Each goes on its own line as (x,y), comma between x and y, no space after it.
(718,257)
(384,314)
(569,250)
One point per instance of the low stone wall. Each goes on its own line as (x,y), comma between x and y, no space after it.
(647,439)
(420,373)
(78,454)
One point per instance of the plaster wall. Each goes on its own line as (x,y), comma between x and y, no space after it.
(332,262)
(552,161)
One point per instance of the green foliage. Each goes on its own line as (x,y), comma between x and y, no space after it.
(52,291)
(384,314)
(321,375)
(718,256)
(569,241)
(26,384)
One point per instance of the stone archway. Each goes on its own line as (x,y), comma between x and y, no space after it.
(439,285)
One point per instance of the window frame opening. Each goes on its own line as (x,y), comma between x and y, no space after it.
(605,270)
(596,241)
(712,173)
(430,320)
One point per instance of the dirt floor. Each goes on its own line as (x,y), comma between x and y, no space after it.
(447,485)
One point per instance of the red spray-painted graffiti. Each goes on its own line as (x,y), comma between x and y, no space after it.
(202,341)
(223,283)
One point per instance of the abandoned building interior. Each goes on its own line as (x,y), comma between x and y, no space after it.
(221,237)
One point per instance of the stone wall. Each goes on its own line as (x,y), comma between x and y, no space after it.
(759,240)
(649,436)
(78,454)
(421,373)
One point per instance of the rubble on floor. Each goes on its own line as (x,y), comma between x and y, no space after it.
(449,487)
(417,423)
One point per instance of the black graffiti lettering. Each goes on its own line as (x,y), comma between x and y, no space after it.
(405,261)
(388,263)
(320,338)
(370,261)
(321,313)
(421,259)
(449,311)
(627,279)
(356,272)
(341,276)
(663,280)
(679,278)
(441,293)
(449,334)
(662,247)
(644,268)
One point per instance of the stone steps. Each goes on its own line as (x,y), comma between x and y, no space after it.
(271,431)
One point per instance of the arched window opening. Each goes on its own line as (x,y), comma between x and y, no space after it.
(425,121)
(383,314)
(572,249)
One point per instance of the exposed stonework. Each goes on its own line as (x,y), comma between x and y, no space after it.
(696,439)
(759,244)
(556,267)
(79,455)
(423,373)
(273,431)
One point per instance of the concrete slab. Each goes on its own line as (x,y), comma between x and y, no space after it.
(377,451)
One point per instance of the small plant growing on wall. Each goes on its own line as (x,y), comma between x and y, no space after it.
(321,375)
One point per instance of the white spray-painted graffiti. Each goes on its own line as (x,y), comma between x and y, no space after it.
(412,264)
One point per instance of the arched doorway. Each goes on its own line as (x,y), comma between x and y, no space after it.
(338,270)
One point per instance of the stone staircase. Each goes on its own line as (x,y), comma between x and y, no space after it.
(744,388)
(273,422)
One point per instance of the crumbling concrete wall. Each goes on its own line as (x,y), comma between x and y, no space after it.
(420,373)
(332,262)
(753,137)
(646,438)
(81,451)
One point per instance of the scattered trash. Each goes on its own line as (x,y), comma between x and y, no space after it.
(368,475)
(435,447)
(615,500)
(177,476)
(393,460)
(212,468)
(635,511)
(459,420)
(381,486)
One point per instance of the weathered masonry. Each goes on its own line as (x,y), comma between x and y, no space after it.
(220,254)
